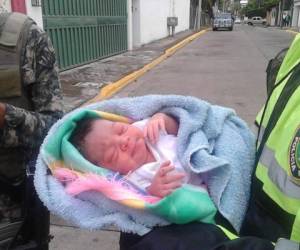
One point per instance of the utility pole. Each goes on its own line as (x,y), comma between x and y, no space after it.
(291,14)
(199,13)
(281,12)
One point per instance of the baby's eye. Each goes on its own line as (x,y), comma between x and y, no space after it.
(125,127)
(121,128)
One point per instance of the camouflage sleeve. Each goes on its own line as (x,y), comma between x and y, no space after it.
(42,86)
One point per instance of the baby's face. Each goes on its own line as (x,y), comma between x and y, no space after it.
(117,146)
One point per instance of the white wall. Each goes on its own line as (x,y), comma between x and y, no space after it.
(136,23)
(153,18)
(35,12)
(129,24)
(295,18)
(5,5)
(273,16)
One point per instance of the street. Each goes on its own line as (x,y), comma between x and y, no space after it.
(222,67)
(225,68)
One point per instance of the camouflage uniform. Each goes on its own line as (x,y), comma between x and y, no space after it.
(25,128)
(40,82)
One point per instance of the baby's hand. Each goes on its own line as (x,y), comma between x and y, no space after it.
(154,125)
(165,182)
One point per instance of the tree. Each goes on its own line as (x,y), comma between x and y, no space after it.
(259,7)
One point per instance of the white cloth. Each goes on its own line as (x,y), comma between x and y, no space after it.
(164,150)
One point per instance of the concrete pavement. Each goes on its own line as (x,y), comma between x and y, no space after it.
(226,68)
(84,83)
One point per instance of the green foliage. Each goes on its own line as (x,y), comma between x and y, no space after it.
(258,7)
(269,3)
(236,6)
(257,12)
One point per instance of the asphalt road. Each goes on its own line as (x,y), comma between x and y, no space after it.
(222,67)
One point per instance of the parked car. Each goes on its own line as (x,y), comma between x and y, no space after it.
(237,20)
(222,21)
(256,20)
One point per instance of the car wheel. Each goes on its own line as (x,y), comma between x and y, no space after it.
(231,28)
(250,23)
(214,29)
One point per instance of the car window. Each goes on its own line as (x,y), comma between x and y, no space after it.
(224,15)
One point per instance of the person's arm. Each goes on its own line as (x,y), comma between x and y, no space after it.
(158,122)
(19,127)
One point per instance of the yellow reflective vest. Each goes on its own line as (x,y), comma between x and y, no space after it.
(277,177)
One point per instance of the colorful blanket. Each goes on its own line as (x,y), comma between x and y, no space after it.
(213,142)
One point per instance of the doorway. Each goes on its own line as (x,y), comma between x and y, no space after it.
(18,6)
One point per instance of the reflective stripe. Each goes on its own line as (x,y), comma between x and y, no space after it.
(229,234)
(278,175)
(284,244)
(261,133)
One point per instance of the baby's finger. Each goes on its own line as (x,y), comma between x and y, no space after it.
(162,125)
(173,178)
(154,133)
(156,130)
(145,131)
(165,164)
(172,185)
(148,132)
(165,169)
(166,192)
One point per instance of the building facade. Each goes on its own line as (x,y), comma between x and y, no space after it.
(86,30)
(149,19)
(296,16)
(31,8)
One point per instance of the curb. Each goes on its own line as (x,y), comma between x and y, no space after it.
(292,31)
(113,88)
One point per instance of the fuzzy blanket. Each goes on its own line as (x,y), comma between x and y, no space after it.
(212,141)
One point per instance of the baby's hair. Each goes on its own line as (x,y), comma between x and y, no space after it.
(83,128)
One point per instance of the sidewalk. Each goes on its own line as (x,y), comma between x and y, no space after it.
(288,28)
(83,83)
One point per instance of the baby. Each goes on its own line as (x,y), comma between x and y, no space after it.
(143,151)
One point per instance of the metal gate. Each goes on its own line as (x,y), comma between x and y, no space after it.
(85,30)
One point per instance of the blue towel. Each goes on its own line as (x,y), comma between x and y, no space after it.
(212,141)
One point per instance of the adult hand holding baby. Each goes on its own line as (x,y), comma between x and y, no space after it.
(164,182)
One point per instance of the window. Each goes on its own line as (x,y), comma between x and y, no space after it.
(36,2)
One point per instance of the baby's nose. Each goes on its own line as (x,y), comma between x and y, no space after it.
(124,143)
